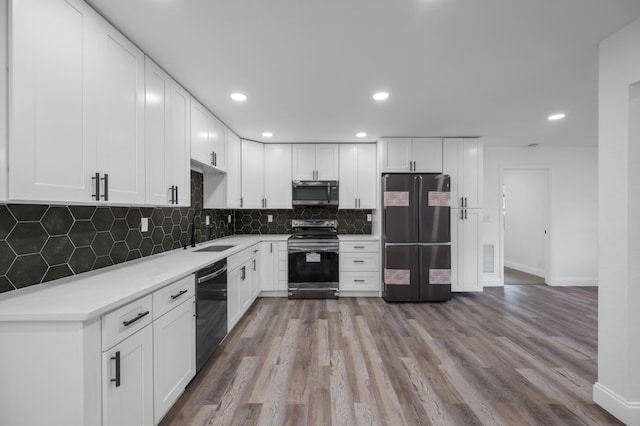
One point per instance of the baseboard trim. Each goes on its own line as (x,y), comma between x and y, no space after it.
(524,268)
(625,411)
(574,282)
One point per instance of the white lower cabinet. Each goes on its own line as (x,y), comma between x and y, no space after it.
(127,381)
(274,270)
(359,266)
(466,250)
(174,362)
(243,283)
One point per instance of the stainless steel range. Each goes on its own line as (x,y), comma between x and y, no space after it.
(313,259)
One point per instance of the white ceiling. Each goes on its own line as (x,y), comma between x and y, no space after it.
(490,68)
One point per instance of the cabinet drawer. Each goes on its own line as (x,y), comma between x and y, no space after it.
(366,281)
(358,261)
(243,257)
(123,322)
(172,295)
(356,246)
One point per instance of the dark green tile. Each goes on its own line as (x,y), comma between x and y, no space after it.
(82,212)
(27,237)
(57,220)
(56,272)
(6,257)
(134,238)
(82,260)
(119,230)
(57,250)
(119,212)
(102,244)
(28,212)
(5,285)
(27,270)
(7,221)
(103,219)
(102,262)
(119,252)
(133,218)
(82,233)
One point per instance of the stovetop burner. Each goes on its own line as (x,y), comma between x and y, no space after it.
(314,229)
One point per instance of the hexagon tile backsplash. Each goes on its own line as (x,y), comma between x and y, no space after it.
(40,243)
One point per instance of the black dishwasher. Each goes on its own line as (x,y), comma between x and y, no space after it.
(211,310)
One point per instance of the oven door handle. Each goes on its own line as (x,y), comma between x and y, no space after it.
(212,275)
(311,250)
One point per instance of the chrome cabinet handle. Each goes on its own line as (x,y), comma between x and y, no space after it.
(358,247)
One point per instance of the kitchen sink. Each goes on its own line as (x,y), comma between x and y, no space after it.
(215,248)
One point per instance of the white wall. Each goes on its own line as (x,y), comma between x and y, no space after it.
(573,225)
(525,219)
(3,99)
(618,386)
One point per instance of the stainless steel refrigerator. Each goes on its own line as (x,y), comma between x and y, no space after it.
(416,237)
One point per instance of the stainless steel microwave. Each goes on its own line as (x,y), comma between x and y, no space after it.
(314,193)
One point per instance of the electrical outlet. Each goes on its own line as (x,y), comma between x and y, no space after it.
(269,218)
(229,218)
(368,217)
(207,220)
(144,224)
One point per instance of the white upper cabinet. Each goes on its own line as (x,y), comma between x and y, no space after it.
(234,168)
(252,175)
(358,176)
(266,175)
(277,176)
(315,162)
(462,160)
(77,107)
(406,155)
(166,139)
(52,142)
(120,130)
(208,138)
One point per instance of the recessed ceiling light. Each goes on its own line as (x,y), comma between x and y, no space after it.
(361,134)
(267,134)
(556,116)
(238,97)
(380,96)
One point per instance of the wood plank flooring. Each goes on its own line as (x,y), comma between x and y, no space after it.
(518,355)
(513,276)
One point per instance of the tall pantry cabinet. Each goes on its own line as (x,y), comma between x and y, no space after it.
(462,161)
(77,102)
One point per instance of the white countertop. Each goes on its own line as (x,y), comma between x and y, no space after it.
(89,295)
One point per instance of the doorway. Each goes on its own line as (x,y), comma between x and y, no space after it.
(525,225)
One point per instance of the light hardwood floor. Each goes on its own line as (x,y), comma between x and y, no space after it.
(513,276)
(516,355)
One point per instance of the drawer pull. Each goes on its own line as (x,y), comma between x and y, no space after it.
(139,317)
(358,247)
(358,261)
(175,296)
(358,281)
(117,359)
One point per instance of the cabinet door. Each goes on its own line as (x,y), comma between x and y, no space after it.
(120,130)
(234,167)
(277,176)
(427,155)
(52,128)
(244,288)
(367,179)
(396,155)
(472,173)
(252,175)
(157,134)
(131,401)
(218,142)
(201,148)
(451,165)
(233,295)
(471,250)
(348,177)
(303,166)
(174,350)
(268,265)
(179,147)
(327,161)
(255,279)
(456,248)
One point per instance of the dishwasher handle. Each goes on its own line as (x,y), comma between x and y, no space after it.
(212,275)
